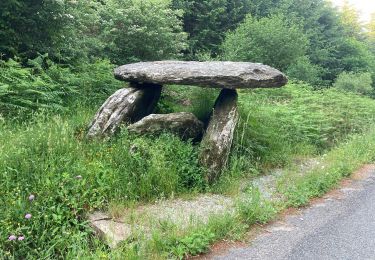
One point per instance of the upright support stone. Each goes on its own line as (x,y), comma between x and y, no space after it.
(126,105)
(217,141)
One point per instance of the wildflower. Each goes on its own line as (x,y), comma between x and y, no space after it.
(28,216)
(21,238)
(31,197)
(12,237)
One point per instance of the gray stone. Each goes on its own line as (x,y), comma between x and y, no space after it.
(126,105)
(110,231)
(185,125)
(140,220)
(215,74)
(217,141)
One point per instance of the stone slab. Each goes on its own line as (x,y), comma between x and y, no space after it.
(212,74)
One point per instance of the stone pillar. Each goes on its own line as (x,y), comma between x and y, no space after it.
(127,105)
(217,140)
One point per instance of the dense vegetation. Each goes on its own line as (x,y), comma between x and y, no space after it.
(56,62)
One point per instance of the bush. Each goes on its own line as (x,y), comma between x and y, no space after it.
(354,82)
(303,69)
(270,40)
(139,30)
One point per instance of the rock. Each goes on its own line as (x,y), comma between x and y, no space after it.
(185,125)
(110,231)
(140,220)
(126,105)
(215,74)
(217,141)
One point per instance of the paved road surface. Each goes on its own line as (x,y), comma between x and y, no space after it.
(335,228)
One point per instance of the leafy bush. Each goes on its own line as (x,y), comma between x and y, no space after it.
(303,69)
(31,27)
(271,40)
(354,82)
(139,30)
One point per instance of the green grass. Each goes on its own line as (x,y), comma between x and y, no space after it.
(340,162)
(48,156)
(70,176)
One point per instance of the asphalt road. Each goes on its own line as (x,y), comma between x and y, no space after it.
(342,226)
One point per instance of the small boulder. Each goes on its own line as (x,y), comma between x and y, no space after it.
(185,125)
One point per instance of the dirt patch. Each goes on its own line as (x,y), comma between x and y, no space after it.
(364,172)
(222,247)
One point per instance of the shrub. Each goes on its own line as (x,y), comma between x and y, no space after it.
(303,69)
(139,30)
(271,40)
(354,82)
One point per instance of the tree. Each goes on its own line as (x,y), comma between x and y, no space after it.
(371,28)
(30,27)
(141,30)
(270,40)
(350,20)
(207,21)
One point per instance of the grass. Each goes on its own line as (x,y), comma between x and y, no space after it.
(49,157)
(70,176)
(338,163)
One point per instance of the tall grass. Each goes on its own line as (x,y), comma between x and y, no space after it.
(279,123)
(69,177)
(49,157)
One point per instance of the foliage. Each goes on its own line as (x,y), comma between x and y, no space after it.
(70,177)
(303,69)
(252,208)
(351,20)
(300,189)
(24,90)
(206,22)
(272,40)
(354,82)
(27,89)
(278,123)
(140,30)
(193,244)
(196,100)
(23,30)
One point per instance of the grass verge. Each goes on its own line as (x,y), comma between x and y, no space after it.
(295,189)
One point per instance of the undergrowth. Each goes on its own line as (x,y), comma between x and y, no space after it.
(47,156)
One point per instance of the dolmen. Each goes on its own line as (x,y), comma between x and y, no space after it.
(134,105)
